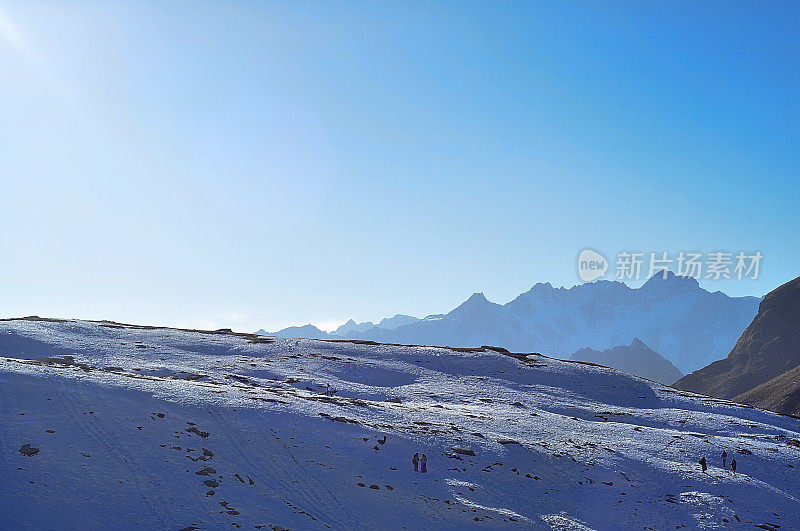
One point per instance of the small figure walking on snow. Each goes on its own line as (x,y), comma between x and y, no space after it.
(724,457)
(415,460)
(703,464)
(424,463)
(328,389)
(733,465)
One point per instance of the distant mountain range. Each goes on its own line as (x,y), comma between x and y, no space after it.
(763,369)
(637,359)
(346,331)
(686,324)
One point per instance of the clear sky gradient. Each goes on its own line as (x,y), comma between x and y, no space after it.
(260,164)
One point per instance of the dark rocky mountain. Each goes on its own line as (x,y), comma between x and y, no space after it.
(761,368)
(637,359)
(781,394)
(686,324)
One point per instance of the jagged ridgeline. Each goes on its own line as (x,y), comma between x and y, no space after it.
(675,317)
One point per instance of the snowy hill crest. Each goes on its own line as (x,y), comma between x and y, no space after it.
(170,428)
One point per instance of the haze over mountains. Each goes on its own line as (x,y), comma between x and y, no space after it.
(683,322)
(763,369)
(345,331)
(637,359)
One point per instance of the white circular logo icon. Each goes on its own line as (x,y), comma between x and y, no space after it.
(591,265)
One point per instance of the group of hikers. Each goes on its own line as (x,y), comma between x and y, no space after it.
(420,465)
(724,456)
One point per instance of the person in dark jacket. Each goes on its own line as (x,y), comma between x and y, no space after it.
(733,465)
(724,457)
(415,460)
(424,463)
(703,464)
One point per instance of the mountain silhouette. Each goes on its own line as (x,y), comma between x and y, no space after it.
(637,359)
(308,331)
(390,323)
(686,324)
(352,326)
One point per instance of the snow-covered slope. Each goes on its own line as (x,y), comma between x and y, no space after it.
(162,428)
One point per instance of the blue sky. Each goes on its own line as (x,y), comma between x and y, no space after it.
(260,164)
